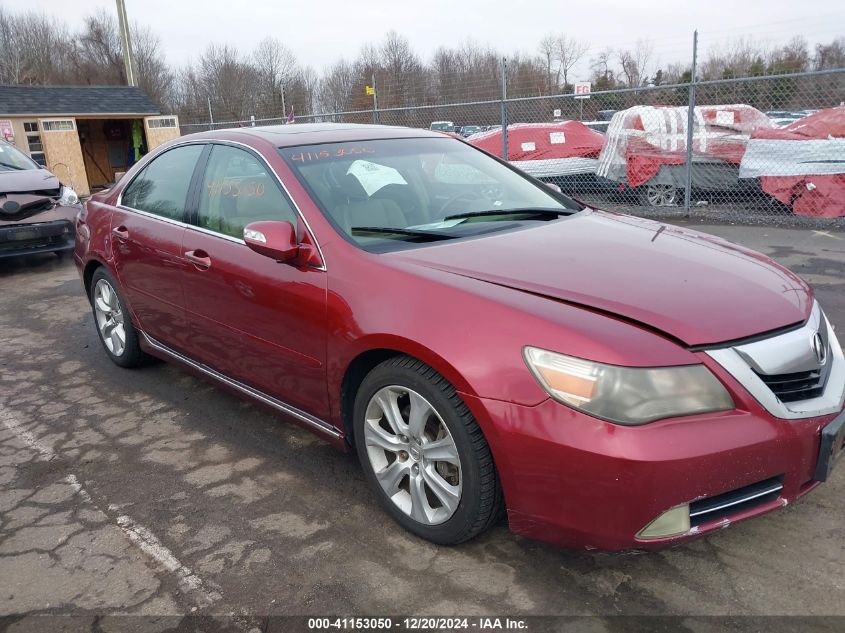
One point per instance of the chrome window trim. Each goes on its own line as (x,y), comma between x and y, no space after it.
(734,361)
(310,420)
(211,141)
(153,216)
(202,229)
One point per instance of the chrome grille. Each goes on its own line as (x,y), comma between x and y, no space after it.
(796,374)
(797,386)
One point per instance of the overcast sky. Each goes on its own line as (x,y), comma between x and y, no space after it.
(323,31)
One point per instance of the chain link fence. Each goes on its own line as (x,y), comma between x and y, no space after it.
(761,150)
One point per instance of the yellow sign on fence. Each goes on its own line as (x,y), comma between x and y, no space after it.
(370,90)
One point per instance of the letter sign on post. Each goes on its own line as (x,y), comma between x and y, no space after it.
(582,90)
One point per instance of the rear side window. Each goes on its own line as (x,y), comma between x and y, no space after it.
(162,187)
(238,190)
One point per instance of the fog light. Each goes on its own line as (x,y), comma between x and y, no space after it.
(673,522)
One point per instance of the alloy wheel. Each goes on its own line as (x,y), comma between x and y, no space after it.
(109,315)
(661,195)
(413,454)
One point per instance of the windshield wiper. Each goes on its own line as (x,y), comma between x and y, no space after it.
(526,211)
(430,235)
(10,167)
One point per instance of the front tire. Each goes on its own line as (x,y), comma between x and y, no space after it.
(423,453)
(659,195)
(114,325)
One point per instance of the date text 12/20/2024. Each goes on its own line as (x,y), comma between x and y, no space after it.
(418,624)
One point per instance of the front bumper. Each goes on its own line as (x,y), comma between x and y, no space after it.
(36,237)
(580,482)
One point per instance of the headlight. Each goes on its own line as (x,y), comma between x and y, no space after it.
(628,395)
(68,196)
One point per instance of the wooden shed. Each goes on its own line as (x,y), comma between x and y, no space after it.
(83,134)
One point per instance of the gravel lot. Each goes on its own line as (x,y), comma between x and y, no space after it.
(151,492)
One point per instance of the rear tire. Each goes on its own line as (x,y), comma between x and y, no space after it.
(114,324)
(424,454)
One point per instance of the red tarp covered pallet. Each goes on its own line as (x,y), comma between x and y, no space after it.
(642,139)
(802,164)
(546,149)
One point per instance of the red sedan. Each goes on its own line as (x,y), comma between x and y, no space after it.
(484,343)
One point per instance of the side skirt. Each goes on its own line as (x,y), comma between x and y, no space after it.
(321,427)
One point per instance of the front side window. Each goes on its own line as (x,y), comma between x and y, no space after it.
(162,187)
(237,189)
(12,159)
(385,194)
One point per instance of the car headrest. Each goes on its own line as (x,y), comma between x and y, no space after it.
(352,189)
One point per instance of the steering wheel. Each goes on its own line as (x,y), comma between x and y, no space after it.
(492,192)
(469,195)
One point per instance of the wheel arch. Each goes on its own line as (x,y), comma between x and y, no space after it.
(366,358)
(88,271)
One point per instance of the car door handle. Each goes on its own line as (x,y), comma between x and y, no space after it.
(120,232)
(199,258)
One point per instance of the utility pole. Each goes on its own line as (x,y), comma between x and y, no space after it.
(504,108)
(375,100)
(690,119)
(284,109)
(210,114)
(126,44)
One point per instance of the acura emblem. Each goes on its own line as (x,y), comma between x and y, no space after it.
(818,349)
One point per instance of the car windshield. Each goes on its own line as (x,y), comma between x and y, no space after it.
(12,159)
(385,194)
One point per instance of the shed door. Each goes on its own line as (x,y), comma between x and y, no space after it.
(159,129)
(63,152)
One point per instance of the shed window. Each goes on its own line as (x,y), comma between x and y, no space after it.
(33,141)
(161,122)
(59,125)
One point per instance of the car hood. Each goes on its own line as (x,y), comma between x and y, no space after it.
(696,288)
(26,194)
(27,181)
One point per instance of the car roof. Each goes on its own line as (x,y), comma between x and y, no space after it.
(313,133)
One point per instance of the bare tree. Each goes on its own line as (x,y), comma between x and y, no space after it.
(12,49)
(734,58)
(97,56)
(310,84)
(277,66)
(231,81)
(33,48)
(634,64)
(569,51)
(402,70)
(794,57)
(336,87)
(830,55)
(47,45)
(445,79)
(548,52)
(154,75)
(603,75)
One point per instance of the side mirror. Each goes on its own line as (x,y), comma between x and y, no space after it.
(554,187)
(276,240)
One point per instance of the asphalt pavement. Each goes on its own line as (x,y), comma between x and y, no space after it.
(153,493)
